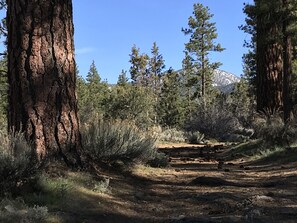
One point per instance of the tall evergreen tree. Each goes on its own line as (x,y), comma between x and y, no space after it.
(202,33)
(269,55)
(170,109)
(289,19)
(156,67)
(93,76)
(42,78)
(97,92)
(188,80)
(139,67)
(272,26)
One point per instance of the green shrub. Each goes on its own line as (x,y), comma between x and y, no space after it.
(113,141)
(269,125)
(214,121)
(171,135)
(16,163)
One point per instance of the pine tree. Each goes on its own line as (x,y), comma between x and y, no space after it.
(170,109)
(139,67)
(82,96)
(188,80)
(122,79)
(93,76)
(42,78)
(289,19)
(249,59)
(156,67)
(132,103)
(272,26)
(241,101)
(269,56)
(202,36)
(97,91)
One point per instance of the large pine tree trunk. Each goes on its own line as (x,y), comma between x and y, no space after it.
(41,71)
(269,62)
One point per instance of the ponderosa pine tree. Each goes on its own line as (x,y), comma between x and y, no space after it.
(271,24)
(269,55)
(202,33)
(289,19)
(42,77)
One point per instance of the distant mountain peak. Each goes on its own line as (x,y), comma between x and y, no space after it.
(223,78)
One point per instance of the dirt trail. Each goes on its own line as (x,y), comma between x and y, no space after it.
(201,186)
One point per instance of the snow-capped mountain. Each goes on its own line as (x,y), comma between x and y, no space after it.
(223,78)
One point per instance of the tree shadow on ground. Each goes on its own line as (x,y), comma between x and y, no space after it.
(189,191)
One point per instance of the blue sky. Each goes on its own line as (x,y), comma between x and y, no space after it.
(105,31)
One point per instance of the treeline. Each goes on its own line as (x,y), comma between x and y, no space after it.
(153,96)
(150,94)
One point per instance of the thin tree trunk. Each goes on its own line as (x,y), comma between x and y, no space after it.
(288,104)
(41,71)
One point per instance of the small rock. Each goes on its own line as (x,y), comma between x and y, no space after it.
(139,195)
(180,217)
(263,198)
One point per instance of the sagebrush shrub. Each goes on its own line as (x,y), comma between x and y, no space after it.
(171,135)
(112,141)
(16,162)
(12,211)
(195,137)
(269,125)
(213,121)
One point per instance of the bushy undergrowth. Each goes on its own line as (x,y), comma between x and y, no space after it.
(16,163)
(159,160)
(114,141)
(269,125)
(195,137)
(171,135)
(214,121)
(15,211)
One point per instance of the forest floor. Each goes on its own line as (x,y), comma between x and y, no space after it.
(203,184)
